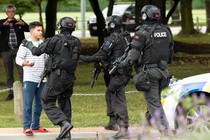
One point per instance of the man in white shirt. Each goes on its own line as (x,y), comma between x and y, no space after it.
(33,66)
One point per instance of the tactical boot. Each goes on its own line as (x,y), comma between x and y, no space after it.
(65,130)
(112,125)
(66,137)
(122,133)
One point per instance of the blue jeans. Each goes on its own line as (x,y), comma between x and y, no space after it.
(32,96)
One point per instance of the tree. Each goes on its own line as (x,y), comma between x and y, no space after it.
(172,10)
(186,17)
(207,3)
(51,10)
(175,16)
(100,20)
(39,4)
(110,8)
(22,6)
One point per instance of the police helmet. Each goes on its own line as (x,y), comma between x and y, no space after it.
(66,23)
(114,21)
(150,12)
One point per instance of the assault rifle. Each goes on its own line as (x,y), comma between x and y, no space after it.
(43,75)
(96,71)
(118,60)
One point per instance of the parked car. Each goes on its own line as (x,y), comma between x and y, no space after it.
(187,103)
(125,11)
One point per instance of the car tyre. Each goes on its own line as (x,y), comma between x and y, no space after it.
(193,114)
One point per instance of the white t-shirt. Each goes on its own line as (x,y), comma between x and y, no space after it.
(32,74)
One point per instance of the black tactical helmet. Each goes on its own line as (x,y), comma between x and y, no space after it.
(150,12)
(114,21)
(66,22)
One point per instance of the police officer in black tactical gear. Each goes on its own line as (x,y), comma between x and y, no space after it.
(114,47)
(63,50)
(152,50)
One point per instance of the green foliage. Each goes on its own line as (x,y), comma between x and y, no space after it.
(21,5)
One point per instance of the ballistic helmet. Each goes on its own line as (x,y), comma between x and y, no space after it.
(114,21)
(66,23)
(150,12)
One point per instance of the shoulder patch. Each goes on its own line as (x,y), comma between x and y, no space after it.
(107,43)
(136,37)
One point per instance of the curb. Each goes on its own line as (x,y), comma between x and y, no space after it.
(97,133)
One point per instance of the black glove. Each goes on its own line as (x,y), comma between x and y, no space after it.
(81,57)
(27,44)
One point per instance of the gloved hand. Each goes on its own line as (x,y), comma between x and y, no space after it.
(27,44)
(81,57)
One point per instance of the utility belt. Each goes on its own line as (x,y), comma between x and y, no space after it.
(147,66)
(60,71)
(161,65)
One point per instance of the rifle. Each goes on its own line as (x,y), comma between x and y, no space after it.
(118,60)
(96,71)
(43,75)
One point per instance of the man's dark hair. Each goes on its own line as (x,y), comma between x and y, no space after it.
(34,24)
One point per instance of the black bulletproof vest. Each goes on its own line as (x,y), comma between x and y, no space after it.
(157,47)
(66,58)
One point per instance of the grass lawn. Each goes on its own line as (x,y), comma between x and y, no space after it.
(91,110)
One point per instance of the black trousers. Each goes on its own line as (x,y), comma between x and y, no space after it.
(9,60)
(153,100)
(58,87)
(116,99)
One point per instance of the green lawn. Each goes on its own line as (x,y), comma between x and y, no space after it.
(91,110)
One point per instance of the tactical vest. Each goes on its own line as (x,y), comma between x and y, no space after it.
(66,58)
(157,45)
(114,51)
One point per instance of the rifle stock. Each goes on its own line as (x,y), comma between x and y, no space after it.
(96,72)
(43,75)
(117,61)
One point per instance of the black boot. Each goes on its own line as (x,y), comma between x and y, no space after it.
(112,125)
(122,133)
(9,97)
(66,137)
(65,130)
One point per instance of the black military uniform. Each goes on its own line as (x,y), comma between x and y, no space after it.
(114,47)
(64,50)
(152,49)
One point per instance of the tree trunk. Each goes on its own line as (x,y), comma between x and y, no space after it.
(110,8)
(39,4)
(100,21)
(174,13)
(207,3)
(186,17)
(51,10)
